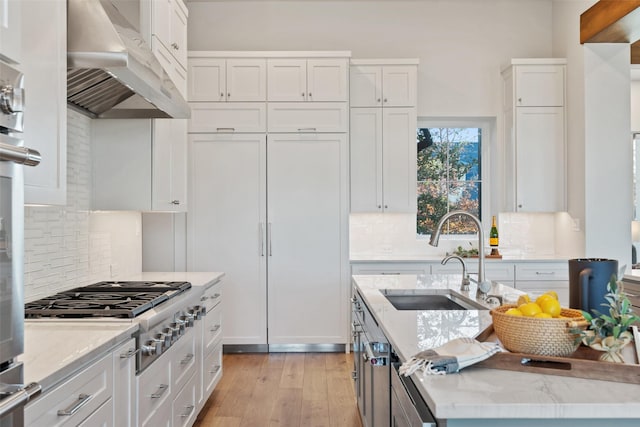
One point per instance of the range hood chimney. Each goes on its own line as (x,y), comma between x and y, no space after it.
(111,71)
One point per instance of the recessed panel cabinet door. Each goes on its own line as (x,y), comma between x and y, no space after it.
(399,151)
(227,227)
(307,208)
(366,159)
(540,154)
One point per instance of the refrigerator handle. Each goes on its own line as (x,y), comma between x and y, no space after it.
(269,238)
(261,231)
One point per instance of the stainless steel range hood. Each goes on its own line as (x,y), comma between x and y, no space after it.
(111,71)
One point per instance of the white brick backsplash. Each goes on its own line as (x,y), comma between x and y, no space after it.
(61,249)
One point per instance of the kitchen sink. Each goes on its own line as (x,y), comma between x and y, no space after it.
(432,299)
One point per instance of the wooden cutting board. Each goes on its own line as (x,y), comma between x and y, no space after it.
(584,363)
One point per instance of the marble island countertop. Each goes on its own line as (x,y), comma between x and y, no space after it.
(55,349)
(490,397)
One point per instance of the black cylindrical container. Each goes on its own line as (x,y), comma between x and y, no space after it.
(588,279)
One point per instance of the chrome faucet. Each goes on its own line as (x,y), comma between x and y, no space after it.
(483,285)
(464,286)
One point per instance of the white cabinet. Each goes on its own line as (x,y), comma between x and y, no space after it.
(535,135)
(77,398)
(391,268)
(164,25)
(213,79)
(10,31)
(383,85)
(44,63)
(210,367)
(298,80)
(124,386)
(383,124)
(383,159)
(299,231)
(294,117)
(239,117)
(139,164)
(539,277)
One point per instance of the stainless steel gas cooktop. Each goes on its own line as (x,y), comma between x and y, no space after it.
(106,299)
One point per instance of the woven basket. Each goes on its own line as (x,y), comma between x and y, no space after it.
(532,335)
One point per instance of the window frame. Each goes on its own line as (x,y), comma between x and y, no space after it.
(487,126)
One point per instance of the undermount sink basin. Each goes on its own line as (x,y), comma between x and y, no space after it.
(436,299)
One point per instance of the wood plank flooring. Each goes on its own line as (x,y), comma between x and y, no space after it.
(283,389)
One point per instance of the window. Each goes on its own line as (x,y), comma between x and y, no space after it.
(449,176)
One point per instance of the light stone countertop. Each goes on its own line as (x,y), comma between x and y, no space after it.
(55,349)
(378,257)
(490,394)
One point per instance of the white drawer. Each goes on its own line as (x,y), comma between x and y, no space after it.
(542,271)
(212,296)
(391,268)
(80,396)
(212,369)
(183,359)
(102,417)
(212,328)
(184,405)
(286,117)
(243,117)
(161,417)
(154,387)
(538,287)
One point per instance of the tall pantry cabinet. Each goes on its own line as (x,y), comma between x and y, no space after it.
(269,193)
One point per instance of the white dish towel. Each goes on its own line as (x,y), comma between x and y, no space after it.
(450,357)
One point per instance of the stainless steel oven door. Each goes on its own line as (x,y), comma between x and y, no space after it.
(11,260)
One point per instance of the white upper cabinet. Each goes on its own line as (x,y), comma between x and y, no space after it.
(44,65)
(139,164)
(300,80)
(539,85)
(10,30)
(535,135)
(164,25)
(231,80)
(383,85)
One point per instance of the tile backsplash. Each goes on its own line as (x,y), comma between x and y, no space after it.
(70,246)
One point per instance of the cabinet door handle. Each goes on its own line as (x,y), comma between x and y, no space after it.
(162,388)
(175,202)
(229,95)
(385,100)
(302,95)
(129,354)
(221,94)
(378,100)
(187,359)
(309,95)
(189,411)
(261,232)
(82,400)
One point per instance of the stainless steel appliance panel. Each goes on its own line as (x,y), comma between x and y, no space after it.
(407,406)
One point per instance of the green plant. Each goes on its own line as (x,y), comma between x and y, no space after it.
(619,319)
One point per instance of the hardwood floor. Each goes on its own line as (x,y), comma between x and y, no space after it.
(283,389)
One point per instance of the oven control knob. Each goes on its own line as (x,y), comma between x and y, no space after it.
(11,99)
(188,320)
(179,326)
(197,312)
(165,338)
(152,347)
(171,332)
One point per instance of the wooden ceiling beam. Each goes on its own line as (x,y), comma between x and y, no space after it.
(611,21)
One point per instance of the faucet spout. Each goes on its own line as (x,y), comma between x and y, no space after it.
(435,237)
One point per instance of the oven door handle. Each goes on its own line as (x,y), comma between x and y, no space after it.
(22,155)
(19,398)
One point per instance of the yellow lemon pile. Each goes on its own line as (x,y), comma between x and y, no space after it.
(545,306)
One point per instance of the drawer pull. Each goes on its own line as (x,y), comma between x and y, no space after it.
(225,129)
(189,411)
(204,298)
(83,399)
(215,369)
(306,129)
(162,388)
(216,328)
(187,359)
(545,273)
(129,354)
(215,296)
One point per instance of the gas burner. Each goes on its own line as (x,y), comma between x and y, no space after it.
(106,299)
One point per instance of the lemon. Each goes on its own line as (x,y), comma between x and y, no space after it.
(543,315)
(513,312)
(530,309)
(551,306)
(523,299)
(542,298)
(554,294)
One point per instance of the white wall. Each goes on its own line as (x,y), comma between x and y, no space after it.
(461,44)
